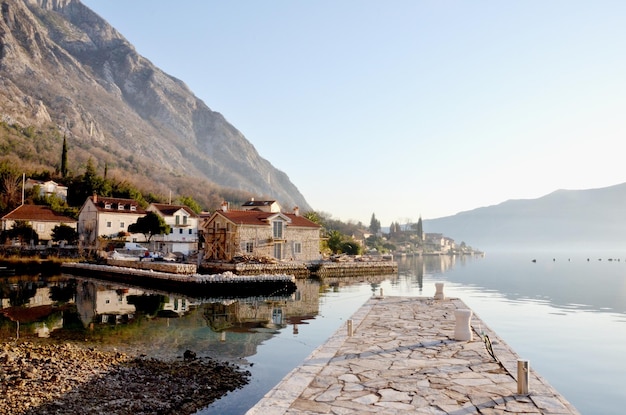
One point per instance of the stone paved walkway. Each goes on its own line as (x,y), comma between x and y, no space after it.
(403,359)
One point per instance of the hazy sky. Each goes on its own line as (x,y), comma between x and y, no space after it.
(404,108)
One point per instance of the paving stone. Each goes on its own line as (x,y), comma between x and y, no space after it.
(403,359)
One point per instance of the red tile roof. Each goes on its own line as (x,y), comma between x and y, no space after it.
(115,202)
(37,213)
(258,218)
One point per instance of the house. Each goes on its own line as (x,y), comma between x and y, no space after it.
(183,223)
(108,217)
(47,188)
(260,229)
(41,218)
(436,242)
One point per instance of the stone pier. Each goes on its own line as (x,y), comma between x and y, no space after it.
(402,358)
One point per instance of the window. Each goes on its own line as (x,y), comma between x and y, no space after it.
(120,207)
(171,230)
(190,231)
(107,205)
(180,230)
(177,220)
(249,247)
(109,224)
(40,227)
(277,226)
(184,220)
(133,207)
(297,248)
(122,225)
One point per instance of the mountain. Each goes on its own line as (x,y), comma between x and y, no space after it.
(586,219)
(64,71)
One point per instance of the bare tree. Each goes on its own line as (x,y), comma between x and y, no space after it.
(11,191)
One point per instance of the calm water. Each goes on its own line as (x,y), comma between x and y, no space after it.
(566,313)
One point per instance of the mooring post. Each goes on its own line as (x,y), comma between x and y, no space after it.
(350,330)
(462,329)
(522,377)
(381,292)
(439,291)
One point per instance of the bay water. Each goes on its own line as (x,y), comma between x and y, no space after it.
(564,312)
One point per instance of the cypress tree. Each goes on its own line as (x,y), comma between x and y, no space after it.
(64,159)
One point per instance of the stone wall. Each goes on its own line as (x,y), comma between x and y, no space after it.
(350,269)
(173,268)
(291,268)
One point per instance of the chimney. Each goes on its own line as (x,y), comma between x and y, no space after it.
(224,206)
(95,198)
(296,211)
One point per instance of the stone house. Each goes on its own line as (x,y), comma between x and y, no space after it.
(41,218)
(183,223)
(108,217)
(260,229)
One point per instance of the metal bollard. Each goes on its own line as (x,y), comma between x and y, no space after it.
(350,331)
(439,291)
(522,377)
(381,292)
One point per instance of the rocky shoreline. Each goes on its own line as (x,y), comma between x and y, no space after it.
(72,378)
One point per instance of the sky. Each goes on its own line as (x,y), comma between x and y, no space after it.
(404,109)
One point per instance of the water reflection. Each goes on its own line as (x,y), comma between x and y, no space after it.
(67,307)
(523,301)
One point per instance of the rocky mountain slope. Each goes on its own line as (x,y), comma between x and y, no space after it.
(584,219)
(66,72)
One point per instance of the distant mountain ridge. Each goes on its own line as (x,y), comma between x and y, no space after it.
(586,219)
(62,65)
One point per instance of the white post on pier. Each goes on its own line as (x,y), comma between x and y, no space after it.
(523,372)
(462,329)
(439,291)
(350,329)
(381,292)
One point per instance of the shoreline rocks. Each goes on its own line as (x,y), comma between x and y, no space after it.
(71,378)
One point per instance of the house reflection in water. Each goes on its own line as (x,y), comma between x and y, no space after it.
(33,303)
(161,324)
(264,313)
(106,304)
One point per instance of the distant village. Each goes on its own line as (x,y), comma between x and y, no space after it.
(258,230)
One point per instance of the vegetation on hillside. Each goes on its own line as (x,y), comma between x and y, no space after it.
(45,154)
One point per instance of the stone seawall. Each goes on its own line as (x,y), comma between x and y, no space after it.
(305,270)
(226,284)
(351,269)
(172,268)
(298,270)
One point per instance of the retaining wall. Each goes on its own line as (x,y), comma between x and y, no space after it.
(305,270)
(173,268)
(350,269)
